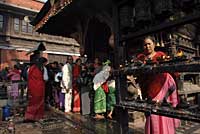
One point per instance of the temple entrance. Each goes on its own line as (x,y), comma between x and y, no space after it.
(96,43)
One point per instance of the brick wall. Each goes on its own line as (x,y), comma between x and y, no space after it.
(8,57)
(32,4)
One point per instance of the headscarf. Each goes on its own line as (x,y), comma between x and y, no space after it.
(101,77)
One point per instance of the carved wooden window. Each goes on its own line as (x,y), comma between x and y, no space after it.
(16,24)
(30,28)
(24,26)
(1,22)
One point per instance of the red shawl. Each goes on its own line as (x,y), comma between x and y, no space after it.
(151,84)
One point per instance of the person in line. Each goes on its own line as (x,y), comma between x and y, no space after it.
(101,88)
(49,98)
(84,82)
(76,88)
(15,76)
(36,91)
(159,87)
(97,66)
(57,88)
(66,84)
(61,95)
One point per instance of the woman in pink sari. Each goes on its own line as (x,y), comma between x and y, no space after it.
(158,87)
(36,88)
(15,77)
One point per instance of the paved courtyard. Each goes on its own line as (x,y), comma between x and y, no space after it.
(58,123)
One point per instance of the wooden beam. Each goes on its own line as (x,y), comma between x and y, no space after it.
(162,27)
(122,2)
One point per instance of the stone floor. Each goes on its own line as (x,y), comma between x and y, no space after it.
(186,127)
(56,122)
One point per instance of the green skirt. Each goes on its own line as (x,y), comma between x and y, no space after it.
(111,99)
(99,101)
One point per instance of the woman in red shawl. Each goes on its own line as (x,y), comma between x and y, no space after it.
(36,88)
(158,87)
(76,93)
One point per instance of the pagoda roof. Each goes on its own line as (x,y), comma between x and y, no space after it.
(59,17)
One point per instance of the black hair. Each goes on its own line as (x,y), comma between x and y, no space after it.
(151,37)
(61,64)
(40,62)
(56,63)
(68,58)
(16,67)
(78,60)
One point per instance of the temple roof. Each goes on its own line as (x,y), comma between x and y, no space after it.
(25,4)
(60,17)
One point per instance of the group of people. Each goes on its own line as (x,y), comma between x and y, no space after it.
(72,87)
